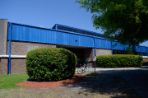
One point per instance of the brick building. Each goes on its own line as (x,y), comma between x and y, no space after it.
(17,39)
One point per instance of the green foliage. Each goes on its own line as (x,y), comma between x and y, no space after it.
(124,20)
(9,81)
(145,63)
(119,61)
(129,51)
(46,64)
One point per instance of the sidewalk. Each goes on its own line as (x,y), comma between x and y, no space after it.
(116,69)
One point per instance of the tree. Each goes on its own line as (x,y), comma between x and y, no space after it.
(124,20)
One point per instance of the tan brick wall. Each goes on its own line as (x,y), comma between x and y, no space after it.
(103,52)
(21,48)
(3,36)
(3,65)
(145,59)
(18,66)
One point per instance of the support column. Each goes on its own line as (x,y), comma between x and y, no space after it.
(3,46)
(3,36)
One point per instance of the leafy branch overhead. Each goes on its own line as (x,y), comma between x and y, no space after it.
(124,20)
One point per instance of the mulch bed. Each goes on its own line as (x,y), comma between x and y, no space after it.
(50,84)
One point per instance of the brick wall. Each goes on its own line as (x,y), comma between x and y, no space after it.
(145,59)
(21,48)
(18,66)
(3,65)
(3,36)
(103,52)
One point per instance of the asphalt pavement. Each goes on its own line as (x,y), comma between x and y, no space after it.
(136,78)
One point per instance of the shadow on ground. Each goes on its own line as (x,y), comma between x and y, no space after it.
(119,83)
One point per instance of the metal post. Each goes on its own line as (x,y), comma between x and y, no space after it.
(94,55)
(56,27)
(9,50)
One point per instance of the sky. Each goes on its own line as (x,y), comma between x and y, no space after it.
(46,13)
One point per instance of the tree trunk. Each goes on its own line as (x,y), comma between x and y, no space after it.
(133,46)
(131,49)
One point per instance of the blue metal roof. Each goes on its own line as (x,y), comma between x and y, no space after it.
(60,27)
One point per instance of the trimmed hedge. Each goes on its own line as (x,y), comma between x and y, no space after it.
(46,64)
(119,60)
(145,63)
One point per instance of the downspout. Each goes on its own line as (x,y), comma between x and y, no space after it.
(94,49)
(112,46)
(56,27)
(9,50)
(94,55)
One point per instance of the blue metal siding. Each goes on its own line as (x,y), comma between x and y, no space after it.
(118,46)
(86,41)
(22,33)
(41,35)
(59,38)
(141,49)
(31,34)
(102,43)
(73,40)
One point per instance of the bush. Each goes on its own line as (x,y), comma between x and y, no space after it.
(145,63)
(46,64)
(119,61)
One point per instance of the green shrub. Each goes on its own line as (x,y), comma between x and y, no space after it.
(46,64)
(120,60)
(145,63)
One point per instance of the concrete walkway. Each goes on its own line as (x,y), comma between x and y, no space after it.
(121,69)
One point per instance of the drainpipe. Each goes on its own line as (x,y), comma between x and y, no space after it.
(94,55)
(112,46)
(56,27)
(9,50)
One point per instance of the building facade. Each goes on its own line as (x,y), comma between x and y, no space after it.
(17,39)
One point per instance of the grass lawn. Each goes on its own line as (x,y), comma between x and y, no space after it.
(9,81)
